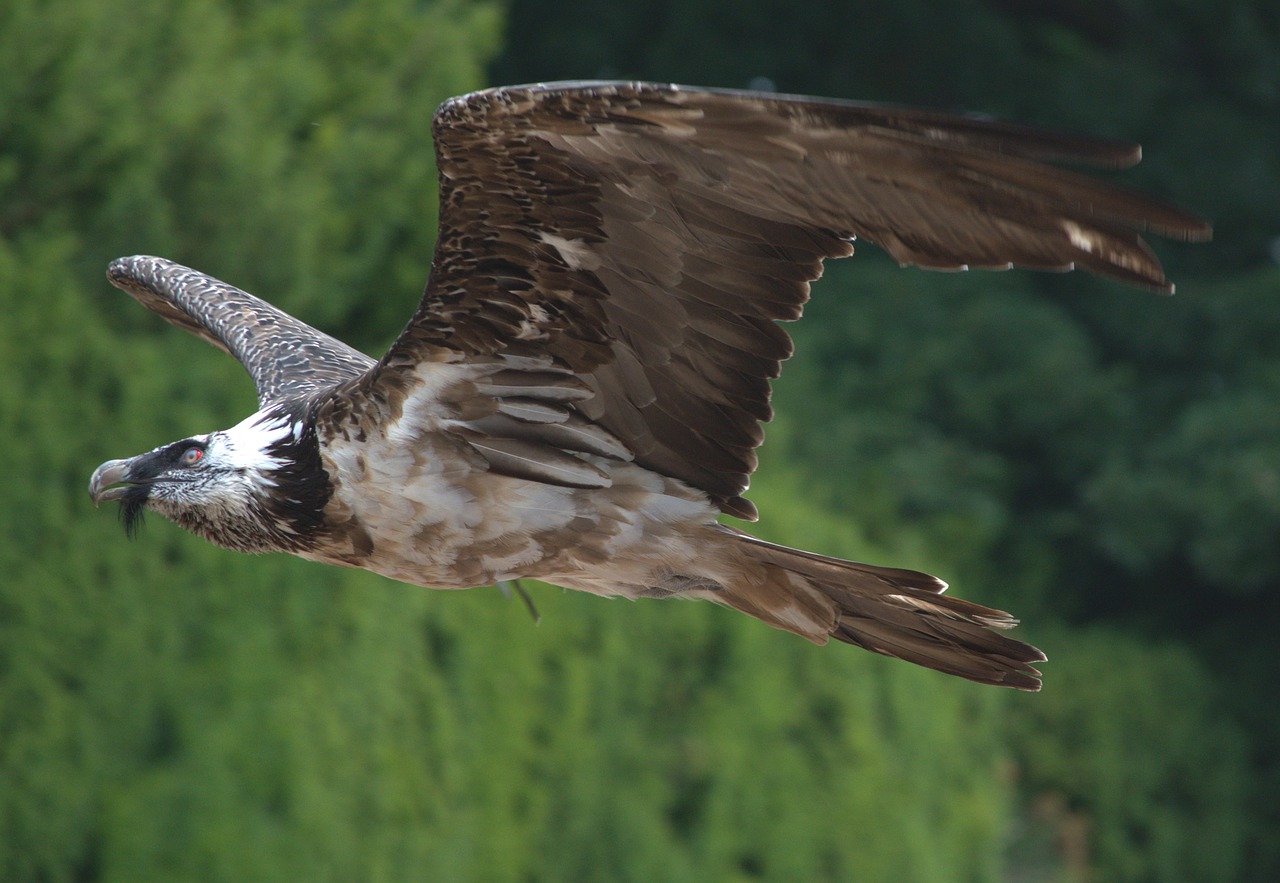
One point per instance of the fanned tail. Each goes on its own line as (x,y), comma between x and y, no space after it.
(899,613)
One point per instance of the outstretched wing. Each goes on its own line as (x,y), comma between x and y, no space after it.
(285,357)
(629,247)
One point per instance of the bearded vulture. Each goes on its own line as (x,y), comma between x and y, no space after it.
(580,393)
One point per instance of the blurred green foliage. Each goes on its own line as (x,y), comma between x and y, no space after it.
(1100,461)
(1128,737)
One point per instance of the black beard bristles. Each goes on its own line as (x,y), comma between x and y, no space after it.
(131,511)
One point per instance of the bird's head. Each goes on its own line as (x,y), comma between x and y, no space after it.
(256,487)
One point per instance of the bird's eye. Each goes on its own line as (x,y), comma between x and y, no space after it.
(192,456)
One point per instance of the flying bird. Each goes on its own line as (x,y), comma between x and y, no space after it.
(580,392)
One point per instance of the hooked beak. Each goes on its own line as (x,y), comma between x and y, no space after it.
(112,472)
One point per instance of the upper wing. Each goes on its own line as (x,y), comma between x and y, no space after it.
(286,358)
(641,240)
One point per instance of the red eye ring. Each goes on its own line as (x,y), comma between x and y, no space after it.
(192,456)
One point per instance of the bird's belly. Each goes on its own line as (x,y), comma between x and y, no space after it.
(444,524)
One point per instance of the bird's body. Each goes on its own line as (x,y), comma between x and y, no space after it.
(578,397)
(452,524)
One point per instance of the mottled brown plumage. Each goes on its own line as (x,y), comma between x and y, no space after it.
(581,388)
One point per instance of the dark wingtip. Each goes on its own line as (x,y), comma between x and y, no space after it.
(1175,222)
(135,268)
(1028,681)
(121,268)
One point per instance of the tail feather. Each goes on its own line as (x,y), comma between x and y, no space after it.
(894,612)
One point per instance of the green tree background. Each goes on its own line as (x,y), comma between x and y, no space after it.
(1102,461)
